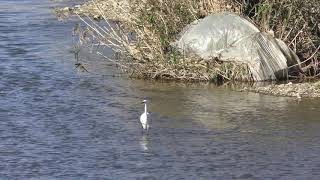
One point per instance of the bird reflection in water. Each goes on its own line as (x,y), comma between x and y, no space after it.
(144,143)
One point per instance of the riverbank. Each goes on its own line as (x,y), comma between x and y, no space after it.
(149,53)
(299,90)
(94,10)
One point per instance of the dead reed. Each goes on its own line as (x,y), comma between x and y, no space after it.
(140,32)
(142,35)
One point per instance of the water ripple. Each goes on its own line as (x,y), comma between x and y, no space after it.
(57,124)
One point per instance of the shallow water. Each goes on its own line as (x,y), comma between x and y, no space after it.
(57,123)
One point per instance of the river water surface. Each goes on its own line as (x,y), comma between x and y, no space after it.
(58,123)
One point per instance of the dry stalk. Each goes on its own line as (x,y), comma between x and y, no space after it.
(143,34)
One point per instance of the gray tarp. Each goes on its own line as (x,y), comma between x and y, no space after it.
(230,37)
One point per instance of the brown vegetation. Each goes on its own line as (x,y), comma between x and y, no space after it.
(141,32)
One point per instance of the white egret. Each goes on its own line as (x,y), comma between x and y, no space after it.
(144,117)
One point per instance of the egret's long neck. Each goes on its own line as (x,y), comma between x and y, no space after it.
(145,107)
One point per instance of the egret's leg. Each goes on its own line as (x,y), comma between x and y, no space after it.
(147,128)
(142,130)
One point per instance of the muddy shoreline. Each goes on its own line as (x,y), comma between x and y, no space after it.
(298,90)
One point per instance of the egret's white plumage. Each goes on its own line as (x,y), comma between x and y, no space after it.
(144,117)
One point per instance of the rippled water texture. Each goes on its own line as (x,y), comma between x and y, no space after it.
(56,123)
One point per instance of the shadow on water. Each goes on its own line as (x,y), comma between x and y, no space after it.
(62,124)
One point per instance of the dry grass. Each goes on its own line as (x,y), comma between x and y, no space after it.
(140,32)
(142,35)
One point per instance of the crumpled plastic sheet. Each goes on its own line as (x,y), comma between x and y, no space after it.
(229,37)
